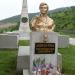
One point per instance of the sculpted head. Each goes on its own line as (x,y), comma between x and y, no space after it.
(43,8)
(43,22)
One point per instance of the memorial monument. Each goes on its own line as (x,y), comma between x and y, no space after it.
(24,21)
(43,44)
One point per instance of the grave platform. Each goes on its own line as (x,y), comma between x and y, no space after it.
(23,59)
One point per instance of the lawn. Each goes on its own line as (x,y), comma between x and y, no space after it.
(23,43)
(68,55)
(8,60)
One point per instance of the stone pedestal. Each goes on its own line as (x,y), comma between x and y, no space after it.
(50,58)
(23,59)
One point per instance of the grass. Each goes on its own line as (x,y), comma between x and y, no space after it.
(69,34)
(8,60)
(23,43)
(68,55)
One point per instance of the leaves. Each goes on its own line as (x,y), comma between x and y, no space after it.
(65,19)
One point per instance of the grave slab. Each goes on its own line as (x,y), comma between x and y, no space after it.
(63,41)
(8,41)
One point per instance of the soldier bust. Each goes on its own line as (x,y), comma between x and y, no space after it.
(42,22)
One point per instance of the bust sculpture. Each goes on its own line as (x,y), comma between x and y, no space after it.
(42,22)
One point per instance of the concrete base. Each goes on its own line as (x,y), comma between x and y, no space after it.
(25,72)
(59,62)
(23,59)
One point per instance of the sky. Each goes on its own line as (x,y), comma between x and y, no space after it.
(9,8)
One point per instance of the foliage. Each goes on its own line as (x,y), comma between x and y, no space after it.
(64,20)
(10,28)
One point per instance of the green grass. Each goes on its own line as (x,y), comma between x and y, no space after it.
(23,43)
(69,34)
(68,55)
(8,60)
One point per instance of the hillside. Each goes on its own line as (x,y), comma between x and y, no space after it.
(63,17)
(11,19)
(64,20)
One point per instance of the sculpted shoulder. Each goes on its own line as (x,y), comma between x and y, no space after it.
(50,20)
(34,18)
